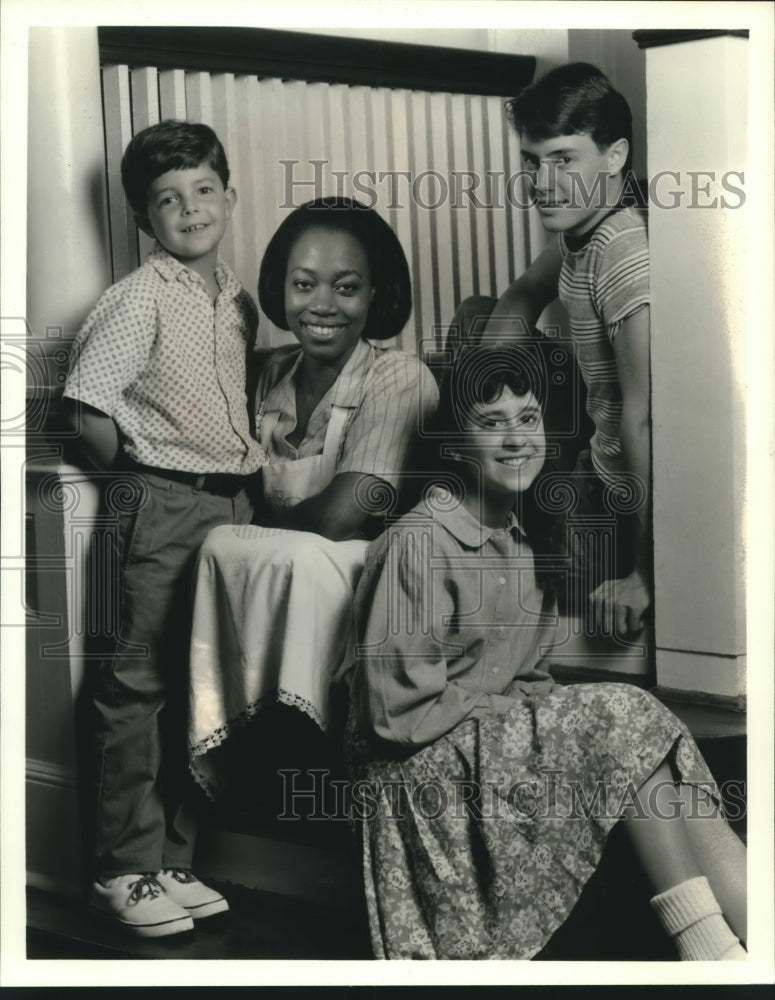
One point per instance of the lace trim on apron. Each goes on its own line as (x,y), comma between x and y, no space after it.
(222,733)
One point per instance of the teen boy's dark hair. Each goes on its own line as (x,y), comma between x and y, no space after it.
(570,100)
(169,145)
(392,302)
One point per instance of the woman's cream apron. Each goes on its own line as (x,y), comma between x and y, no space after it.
(272,614)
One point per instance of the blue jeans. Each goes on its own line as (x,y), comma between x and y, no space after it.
(144,819)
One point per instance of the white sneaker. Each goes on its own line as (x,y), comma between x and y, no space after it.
(187,891)
(141,905)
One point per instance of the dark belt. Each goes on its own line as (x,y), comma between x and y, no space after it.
(222,484)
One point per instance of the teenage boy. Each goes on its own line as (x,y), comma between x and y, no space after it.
(157,393)
(575,133)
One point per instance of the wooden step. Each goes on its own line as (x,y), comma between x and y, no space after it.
(319,875)
(259,925)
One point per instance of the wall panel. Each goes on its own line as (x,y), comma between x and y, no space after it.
(435,165)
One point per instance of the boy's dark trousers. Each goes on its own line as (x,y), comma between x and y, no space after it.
(144,819)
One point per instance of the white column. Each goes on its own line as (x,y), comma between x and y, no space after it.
(697,101)
(68,256)
(68,267)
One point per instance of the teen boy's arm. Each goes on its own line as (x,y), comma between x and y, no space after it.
(516,312)
(622,603)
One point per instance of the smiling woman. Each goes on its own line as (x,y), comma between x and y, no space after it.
(328,292)
(506,442)
(337,416)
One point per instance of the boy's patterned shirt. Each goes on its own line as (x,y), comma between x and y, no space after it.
(601,284)
(169,366)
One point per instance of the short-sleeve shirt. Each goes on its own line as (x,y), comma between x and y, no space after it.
(169,366)
(450,624)
(604,279)
(388,393)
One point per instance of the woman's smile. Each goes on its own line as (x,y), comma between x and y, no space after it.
(514,461)
(506,441)
(322,331)
(328,293)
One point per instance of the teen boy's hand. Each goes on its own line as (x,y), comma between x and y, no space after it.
(619,606)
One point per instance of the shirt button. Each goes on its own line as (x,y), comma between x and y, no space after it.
(501,580)
(496,670)
(501,628)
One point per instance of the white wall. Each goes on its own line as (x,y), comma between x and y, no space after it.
(478,39)
(618,56)
(548,45)
(68,266)
(697,122)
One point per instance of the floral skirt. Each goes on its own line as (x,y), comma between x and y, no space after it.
(479,845)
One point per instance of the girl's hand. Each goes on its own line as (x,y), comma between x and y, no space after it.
(619,606)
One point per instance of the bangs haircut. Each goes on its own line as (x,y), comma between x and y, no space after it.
(169,145)
(574,99)
(389,272)
(479,376)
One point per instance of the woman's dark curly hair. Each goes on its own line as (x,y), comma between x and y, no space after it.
(392,302)
(479,375)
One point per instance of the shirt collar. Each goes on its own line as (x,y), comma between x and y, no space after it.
(626,200)
(576,243)
(172,270)
(284,381)
(346,391)
(348,388)
(458,521)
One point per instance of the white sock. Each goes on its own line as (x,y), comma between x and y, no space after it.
(691,915)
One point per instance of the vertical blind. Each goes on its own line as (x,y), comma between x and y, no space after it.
(441,168)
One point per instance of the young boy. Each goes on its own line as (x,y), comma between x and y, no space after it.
(576,135)
(157,393)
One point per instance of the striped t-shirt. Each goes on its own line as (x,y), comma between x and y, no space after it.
(602,283)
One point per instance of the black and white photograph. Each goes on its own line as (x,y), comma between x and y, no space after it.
(387,487)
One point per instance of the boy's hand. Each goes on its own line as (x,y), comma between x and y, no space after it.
(618,606)
(97,438)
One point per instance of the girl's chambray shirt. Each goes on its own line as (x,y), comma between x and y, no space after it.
(450,624)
